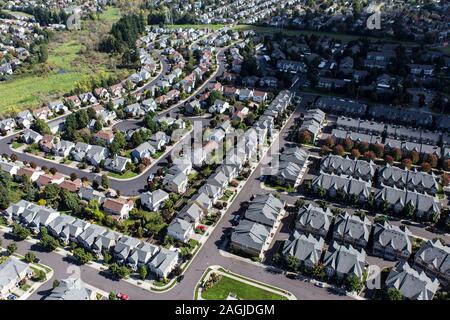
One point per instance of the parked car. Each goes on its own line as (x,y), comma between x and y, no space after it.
(320,284)
(235,219)
(291,275)
(122,296)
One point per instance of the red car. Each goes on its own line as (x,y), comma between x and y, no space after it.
(122,296)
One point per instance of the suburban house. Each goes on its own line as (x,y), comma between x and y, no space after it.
(434,258)
(397,199)
(58,224)
(88,194)
(96,154)
(31,173)
(305,248)
(351,229)
(63,148)
(290,168)
(163,262)
(124,247)
(358,169)
(331,183)
(412,180)
(72,288)
(118,207)
(314,220)
(117,164)
(48,178)
(154,200)
(12,271)
(144,150)
(180,229)
(107,136)
(192,213)
(412,284)
(176,183)
(392,242)
(251,238)
(342,261)
(202,200)
(29,136)
(89,235)
(141,255)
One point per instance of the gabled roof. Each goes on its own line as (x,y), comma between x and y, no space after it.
(304,248)
(412,284)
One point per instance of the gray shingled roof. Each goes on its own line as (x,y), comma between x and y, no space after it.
(345,259)
(412,284)
(352,226)
(304,248)
(392,237)
(264,209)
(250,234)
(314,217)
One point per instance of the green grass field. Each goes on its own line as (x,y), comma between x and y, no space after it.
(334,35)
(125,175)
(111,14)
(244,291)
(195,26)
(67,64)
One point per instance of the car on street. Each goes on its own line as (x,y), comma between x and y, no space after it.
(291,275)
(122,296)
(235,220)
(320,284)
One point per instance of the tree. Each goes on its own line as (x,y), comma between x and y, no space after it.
(118,272)
(339,150)
(445,179)
(47,241)
(105,181)
(394,294)
(348,144)
(353,283)
(154,223)
(20,232)
(51,193)
(106,256)
(143,272)
(39,275)
(409,210)
(446,165)
(425,167)
(389,159)
(415,157)
(407,163)
(4,199)
(293,263)
(369,155)
(11,248)
(82,256)
(433,160)
(93,210)
(30,257)
(329,142)
(397,154)
(355,153)
(305,137)
(363,147)
(378,149)
(71,201)
(42,127)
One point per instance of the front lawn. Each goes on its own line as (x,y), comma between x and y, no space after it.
(126,175)
(16,144)
(243,291)
(279,187)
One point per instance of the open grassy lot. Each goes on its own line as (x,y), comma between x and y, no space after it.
(71,58)
(195,26)
(334,35)
(244,291)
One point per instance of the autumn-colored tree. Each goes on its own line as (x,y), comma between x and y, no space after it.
(415,157)
(426,167)
(305,137)
(324,150)
(445,179)
(407,163)
(389,159)
(363,147)
(339,150)
(355,153)
(446,165)
(378,149)
(348,144)
(329,142)
(396,153)
(369,155)
(433,160)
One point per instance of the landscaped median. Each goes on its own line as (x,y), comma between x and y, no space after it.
(220,284)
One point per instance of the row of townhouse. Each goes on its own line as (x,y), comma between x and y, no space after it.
(258,226)
(358,169)
(289,167)
(346,255)
(130,251)
(245,150)
(313,122)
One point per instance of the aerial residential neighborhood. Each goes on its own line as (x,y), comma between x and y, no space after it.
(224,150)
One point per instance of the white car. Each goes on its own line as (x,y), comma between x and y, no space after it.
(320,284)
